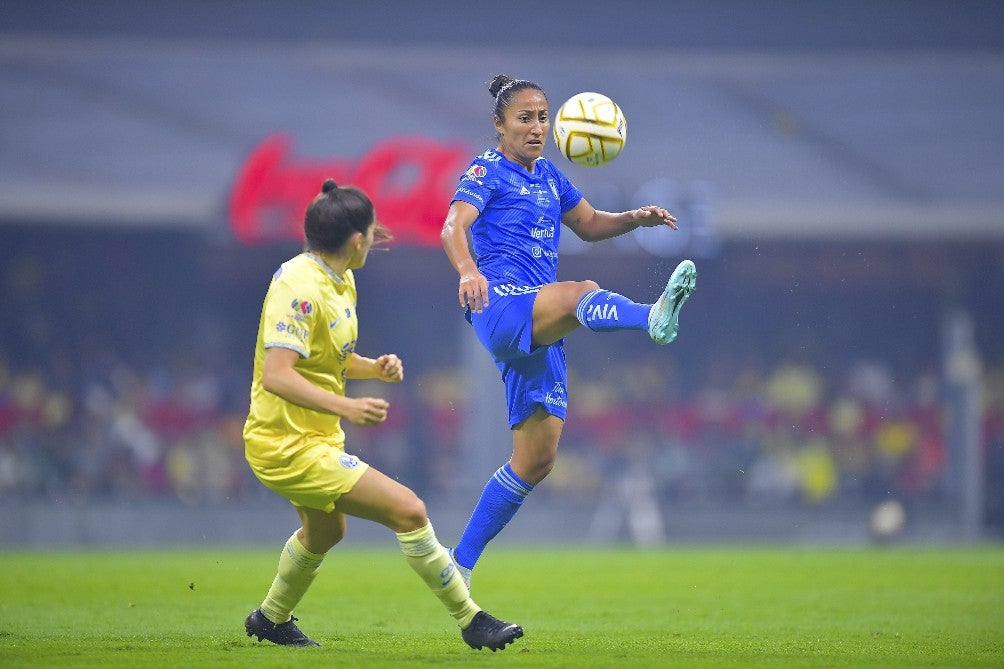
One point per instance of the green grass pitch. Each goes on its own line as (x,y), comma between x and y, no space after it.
(619,607)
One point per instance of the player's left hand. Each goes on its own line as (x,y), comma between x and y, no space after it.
(390,368)
(650,216)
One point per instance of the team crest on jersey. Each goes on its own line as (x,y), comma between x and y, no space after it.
(554,188)
(302,306)
(348,461)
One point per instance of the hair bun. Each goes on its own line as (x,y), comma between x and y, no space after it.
(497,83)
(329,185)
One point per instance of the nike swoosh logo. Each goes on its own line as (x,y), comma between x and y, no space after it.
(446,576)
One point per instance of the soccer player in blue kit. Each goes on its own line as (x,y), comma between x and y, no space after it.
(514,201)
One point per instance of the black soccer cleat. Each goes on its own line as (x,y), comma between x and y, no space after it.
(487,631)
(284,634)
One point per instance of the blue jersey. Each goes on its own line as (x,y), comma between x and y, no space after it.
(516,236)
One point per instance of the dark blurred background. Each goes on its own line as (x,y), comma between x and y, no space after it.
(836,167)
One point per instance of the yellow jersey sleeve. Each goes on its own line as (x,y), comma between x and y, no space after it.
(288,318)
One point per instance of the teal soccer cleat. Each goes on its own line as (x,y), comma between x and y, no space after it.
(664,318)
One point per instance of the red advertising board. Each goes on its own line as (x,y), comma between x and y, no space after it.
(410,180)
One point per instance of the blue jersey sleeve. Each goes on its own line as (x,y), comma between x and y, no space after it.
(476,186)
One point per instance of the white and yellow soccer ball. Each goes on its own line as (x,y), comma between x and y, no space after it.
(589,129)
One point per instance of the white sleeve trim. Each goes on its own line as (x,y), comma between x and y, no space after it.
(292,347)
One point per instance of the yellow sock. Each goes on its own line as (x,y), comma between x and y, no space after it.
(432,562)
(297,569)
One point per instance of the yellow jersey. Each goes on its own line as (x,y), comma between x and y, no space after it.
(311,310)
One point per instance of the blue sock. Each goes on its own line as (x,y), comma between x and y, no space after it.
(603,311)
(503,495)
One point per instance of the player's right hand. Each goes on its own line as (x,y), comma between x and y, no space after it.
(650,216)
(473,291)
(367,411)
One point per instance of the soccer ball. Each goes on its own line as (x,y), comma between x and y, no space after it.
(589,129)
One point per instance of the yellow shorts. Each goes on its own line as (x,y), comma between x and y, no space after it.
(315,478)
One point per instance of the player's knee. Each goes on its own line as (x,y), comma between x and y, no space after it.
(578,289)
(540,469)
(411,514)
(321,540)
(573,292)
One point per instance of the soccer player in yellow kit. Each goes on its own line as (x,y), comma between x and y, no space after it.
(293,437)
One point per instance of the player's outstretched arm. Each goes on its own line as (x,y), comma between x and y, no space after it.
(593,225)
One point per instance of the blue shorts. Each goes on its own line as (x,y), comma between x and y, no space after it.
(534,376)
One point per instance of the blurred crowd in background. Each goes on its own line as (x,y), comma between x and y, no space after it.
(98,427)
(125,373)
(95,426)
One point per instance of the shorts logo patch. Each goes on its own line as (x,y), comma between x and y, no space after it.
(557,396)
(348,461)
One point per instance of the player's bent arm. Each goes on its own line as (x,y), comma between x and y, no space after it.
(473,287)
(459,218)
(279,377)
(387,367)
(359,367)
(593,225)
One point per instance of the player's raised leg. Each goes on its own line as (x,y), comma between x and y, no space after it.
(561,308)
